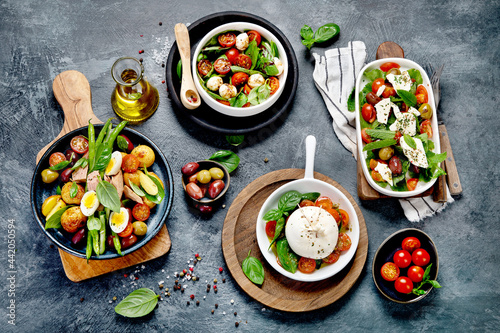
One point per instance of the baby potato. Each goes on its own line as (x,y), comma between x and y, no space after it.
(148,202)
(49,204)
(73,219)
(66,195)
(133,177)
(156,176)
(145,155)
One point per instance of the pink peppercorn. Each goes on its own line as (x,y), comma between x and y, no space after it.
(192,296)
(220,269)
(191,269)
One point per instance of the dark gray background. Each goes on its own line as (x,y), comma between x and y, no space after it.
(40,39)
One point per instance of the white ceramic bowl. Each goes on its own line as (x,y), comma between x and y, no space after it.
(360,83)
(232,111)
(305,185)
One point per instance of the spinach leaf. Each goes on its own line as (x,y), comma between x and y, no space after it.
(307,32)
(227,158)
(310,196)
(287,258)
(253,269)
(374,74)
(54,220)
(108,196)
(380,133)
(280,224)
(235,140)
(410,142)
(379,144)
(158,198)
(289,201)
(73,191)
(273,215)
(82,162)
(408,97)
(351,102)
(415,74)
(253,52)
(326,32)
(139,303)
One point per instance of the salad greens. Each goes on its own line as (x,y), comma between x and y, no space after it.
(323,34)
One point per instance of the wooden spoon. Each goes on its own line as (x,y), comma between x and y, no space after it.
(189,95)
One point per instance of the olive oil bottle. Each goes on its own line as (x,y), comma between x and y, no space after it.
(134,99)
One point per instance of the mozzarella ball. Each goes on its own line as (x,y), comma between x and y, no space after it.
(242,41)
(256,80)
(279,65)
(227,91)
(214,83)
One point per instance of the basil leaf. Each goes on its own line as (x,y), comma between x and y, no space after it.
(253,96)
(427,272)
(240,100)
(137,190)
(227,158)
(93,223)
(289,201)
(158,198)
(58,190)
(280,224)
(271,70)
(134,96)
(122,143)
(307,32)
(434,283)
(54,220)
(253,52)
(351,102)
(326,32)
(273,215)
(410,142)
(60,165)
(82,162)
(310,196)
(103,156)
(235,140)
(139,303)
(287,258)
(408,97)
(308,43)
(108,196)
(263,92)
(179,69)
(418,291)
(73,191)
(379,144)
(380,133)
(374,74)
(415,74)
(275,50)
(253,269)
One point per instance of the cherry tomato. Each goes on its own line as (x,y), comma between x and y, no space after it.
(239,78)
(398,136)
(389,271)
(254,35)
(223,102)
(368,112)
(222,66)
(422,95)
(227,40)
(410,244)
(416,273)
(141,211)
(366,138)
(421,257)
(426,127)
(79,144)
(345,217)
(335,214)
(377,84)
(270,229)
(130,163)
(388,65)
(232,55)
(332,257)
(244,61)
(307,265)
(344,242)
(402,258)
(204,67)
(376,176)
(403,285)
(373,164)
(128,241)
(247,89)
(411,183)
(109,241)
(274,83)
(324,202)
(130,146)
(388,92)
(306,203)
(128,230)
(56,158)
(246,105)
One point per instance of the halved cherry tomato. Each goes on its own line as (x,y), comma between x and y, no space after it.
(324,202)
(79,144)
(307,265)
(368,112)
(333,212)
(344,242)
(388,65)
(410,244)
(222,66)
(227,40)
(366,138)
(141,212)
(345,217)
(422,95)
(223,102)
(421,257)
(402,258)
(377,176)
(247,89)
(270,229)
(254,35)
(389,271)
(246,105)
(416,273)
(128,230)
(274,83)
(204,67)
(403,285)
(306,203)
(332,257)
(398,136)
(56,158)
(373,164)
(130,163)
(239,78)
(129,143)
(244,61)
(388,92)
(377,84)
(411,183)
(232,55)
(426,127)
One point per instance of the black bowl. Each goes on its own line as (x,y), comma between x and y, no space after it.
(385,253)
(40,191)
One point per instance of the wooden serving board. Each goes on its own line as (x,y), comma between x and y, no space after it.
(277,291)
(72,91)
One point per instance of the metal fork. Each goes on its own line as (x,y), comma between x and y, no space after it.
(436,89)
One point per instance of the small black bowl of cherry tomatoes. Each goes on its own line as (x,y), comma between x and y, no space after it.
(405,266)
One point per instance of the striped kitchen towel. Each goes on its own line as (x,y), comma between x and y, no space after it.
(335,75)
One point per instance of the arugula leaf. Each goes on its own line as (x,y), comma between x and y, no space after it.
(433,158)
(380,133)
(351,102)
(235,140)
(227,158)
(374,74)
(410,142)
(415,74)
(253,269)
(240,100)
(408,97)
(275,50)
(379,144)
(139,303)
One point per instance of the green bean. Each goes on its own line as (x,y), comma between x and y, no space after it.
(108,134)
(95,242)
(102,233)
(91,147)
(114,134)
(89,246)
(103,132)
(116,242)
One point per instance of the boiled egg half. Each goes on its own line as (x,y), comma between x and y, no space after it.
(119,221)
(89,203)
(114,164)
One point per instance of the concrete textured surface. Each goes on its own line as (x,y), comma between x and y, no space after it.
(40,39)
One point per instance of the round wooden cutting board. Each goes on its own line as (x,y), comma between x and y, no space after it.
(279,292)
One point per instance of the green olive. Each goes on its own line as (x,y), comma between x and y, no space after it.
(48,176)
(425,111)
(386,153)
(204,176)
(394,71)
(216,173)
(140,228)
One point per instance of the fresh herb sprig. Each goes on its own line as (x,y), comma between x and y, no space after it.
(253,269)
(323,34)
(425,280)
(139,303)
(227,158)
